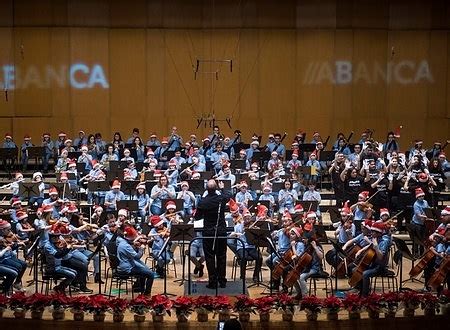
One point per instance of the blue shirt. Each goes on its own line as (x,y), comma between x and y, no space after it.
(419,209)
(128,257)
(111,197)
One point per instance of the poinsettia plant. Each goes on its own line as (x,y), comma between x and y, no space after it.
(391,301)
(264,304)
(38,302)
(410,299)
(244,304)
(285,303)
(183,305)
(204,304)
(373,302)
(97,304)
(429,301)
(78,303)
(221,303)
(352,302)
(139,305)
(444,297)
(331,304)
(160,304)
(3,302)
(18,300)
(311,304)
(118,305)
(59,301)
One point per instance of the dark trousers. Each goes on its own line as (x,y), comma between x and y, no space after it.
(216,260)
(80,267)
(19,265)
(249,255)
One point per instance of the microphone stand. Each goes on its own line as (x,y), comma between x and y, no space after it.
(214,249)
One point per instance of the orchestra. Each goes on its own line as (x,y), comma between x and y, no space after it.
(369,180)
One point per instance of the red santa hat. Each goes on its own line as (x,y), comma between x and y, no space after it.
(59,229)
(363,195)
(15,201)
(446,211)
(297,231)
(384,212)
(170,205)
(262,210)
(53,191)
(345,210)
(127,175)
(423,177)
(150,152)
(63,176)
(4,224)
(47,208)
(442,155)
(116,184)
(164,140)
(287,215)
(141,186)
(397,131)
(45,135)
(234,208)
(27,137)
(419,192)
(95,164)
(21,215)
(172,162)
(62,134)
(367,223)
(378,226)
(8,136)
(298,209)
(72,163)
(72,208)
(122,212)
(130,233)
(311,215)
(156,221)
(440,232)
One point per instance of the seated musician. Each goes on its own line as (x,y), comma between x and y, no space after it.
(129,252)
(267,196)
(172,173)
(143,200)
(55,249)
(55,201)
(23,228)
(11,267)
(281,236)
(159,234)
(250,252)
(438,248)
(361,210)
(113,196)
(236,219)
(225,174)
(243,196)
(380,243)
(315,267)
(298,247)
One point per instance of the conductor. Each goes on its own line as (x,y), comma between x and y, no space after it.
(211,208)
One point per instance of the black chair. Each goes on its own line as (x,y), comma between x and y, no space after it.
(117,278)
(321,276)
(389,276)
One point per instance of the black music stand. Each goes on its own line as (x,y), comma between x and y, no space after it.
(74,154)
(149,176)
(70,176)
(98,250)
(288,155)
(277,186)
(9,154)
(149,185)
(62,188)
(113,175)
(81,168)
(182,232)
(238,164)
(327,156)
(117,165)
(196,186)
(36,153)
(339,253)
(258,238)
(27,190)
(305,170)
(206,175)
(226,184)
(260,157)
(405,252)
(130,205)
(129,187)
(255,185)
(309,205)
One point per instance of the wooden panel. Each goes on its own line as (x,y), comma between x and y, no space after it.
(370,14)
(410,14)
(88,13)
(121,12)
(7,77)
(32,56)
(313,14)
(6,13)
(33,13)
(438,67)
(32,126)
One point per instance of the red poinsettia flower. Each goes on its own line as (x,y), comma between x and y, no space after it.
(285,302)
(59,300)
(390,301)
(244,304)
(444,298)
(221,303)
(430,301)
(352,302)
(160,304)
(204,303)
(183,305)
(17,300)
(373,302)
(118,305)
(78,303)
(410,299)
(140,305)
(332,304)
(264,304)
(38,301)
(311,303)
(4,301)
(97,304)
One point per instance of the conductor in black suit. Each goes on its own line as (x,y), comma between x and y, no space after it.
(211,209)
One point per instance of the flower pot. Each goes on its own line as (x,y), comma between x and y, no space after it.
(118,316)
(202,317)
(354,315)
(158,318)
(332,316)
(224,316)
(409,312)
(244,316)
(37,314)
(1,312)
(287,316)
(139,317)
(19,313)
(390,314)
(429,312)
(99,317)
(311,316)
(445,309)
(78,316)
(182,318)
(374,314)
(264,317)
(58,314)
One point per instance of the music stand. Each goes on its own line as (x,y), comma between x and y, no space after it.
(206,175)
(327,156)
(226,184)
(74,154)
(27,190)
(130,205)
(288,156)
(62,188)
(255,185)
(113,175)
(309,205)
(260,157)
(238,164)
(196,186)
(305,170)
(70,176)
(182,233)
(405,252)
(95,186)
(339,253)
(81,168)
(277,186)
(9,154)
(116,165)
(149,185)
(258,238)
(129,187)
(35,152)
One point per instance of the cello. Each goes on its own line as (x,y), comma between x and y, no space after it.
(363,264)
(299,266)
(417,269)
(440,274)
(341,269)
(284,262)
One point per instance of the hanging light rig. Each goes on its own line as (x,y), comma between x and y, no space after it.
(210,118)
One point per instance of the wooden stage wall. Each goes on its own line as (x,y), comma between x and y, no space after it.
(315,65)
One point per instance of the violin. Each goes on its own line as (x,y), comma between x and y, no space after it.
(420,266)
(363,264)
